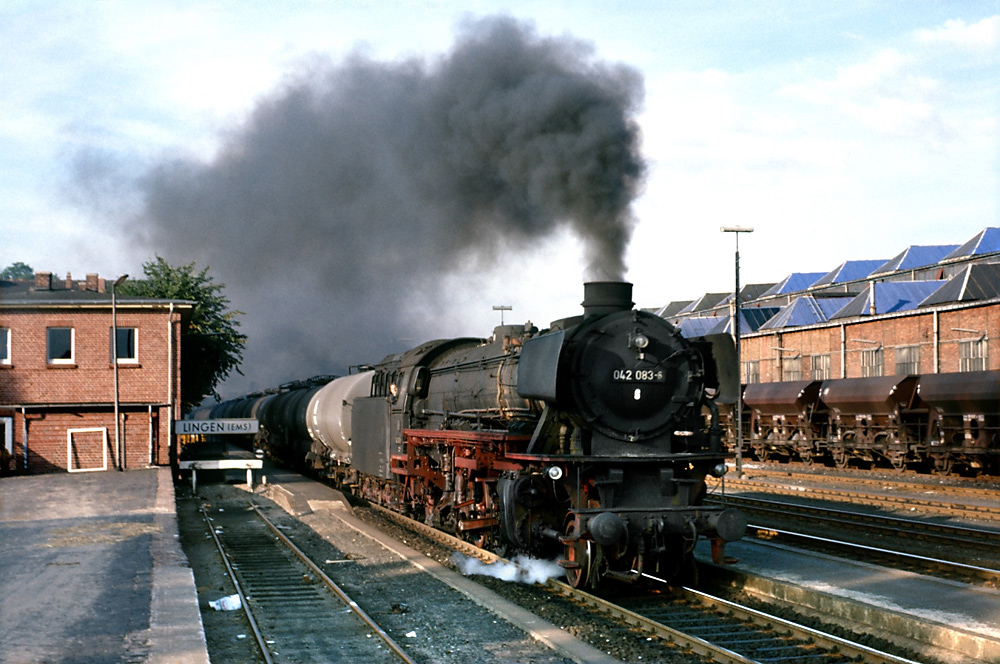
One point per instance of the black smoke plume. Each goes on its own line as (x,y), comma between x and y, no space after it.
(334,212)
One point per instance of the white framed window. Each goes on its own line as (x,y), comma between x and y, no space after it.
(59,344)
(972,355)
(127,340)
(791,368)
(751,372)
(907,360)
(871,363)
(4,345)
(820,367)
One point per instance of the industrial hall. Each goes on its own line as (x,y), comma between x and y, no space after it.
(926,310)
(88,381)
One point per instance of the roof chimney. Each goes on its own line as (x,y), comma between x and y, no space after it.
(43,281)
(92,283)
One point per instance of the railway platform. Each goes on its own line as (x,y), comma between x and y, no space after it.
(954,621)
(93,571)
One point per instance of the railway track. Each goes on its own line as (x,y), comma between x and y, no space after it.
(296,612)
(694,621)
(961,502)
(964,543)
(728,632)
(964,488)
(933,566)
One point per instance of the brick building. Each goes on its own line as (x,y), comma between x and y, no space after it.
(58,378)
(929,309)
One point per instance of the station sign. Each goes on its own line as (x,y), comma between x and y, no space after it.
(215,427)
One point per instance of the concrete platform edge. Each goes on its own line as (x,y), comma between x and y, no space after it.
(177,635)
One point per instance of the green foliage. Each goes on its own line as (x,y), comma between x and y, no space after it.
(211,345)
(17,272)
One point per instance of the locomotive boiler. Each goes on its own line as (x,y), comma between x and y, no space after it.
(588,442)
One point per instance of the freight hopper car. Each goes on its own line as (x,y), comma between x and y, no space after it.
(939,422)
(587,442)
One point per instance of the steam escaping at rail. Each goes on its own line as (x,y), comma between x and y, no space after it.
(334,212)
(521,569)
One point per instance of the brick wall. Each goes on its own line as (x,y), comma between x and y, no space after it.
(48,400)
(90,378)
(888,333)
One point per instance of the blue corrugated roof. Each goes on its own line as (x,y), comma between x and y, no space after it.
(849,271)
(975,282)
(831,305)
(706,301)
(890,296)
(806,310)
(986,241)
(752,319)
(916,256)
(671,308)
(700,326)
(797,281)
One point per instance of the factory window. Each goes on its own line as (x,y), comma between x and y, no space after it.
(60,345)
(751,372)
(972,355)
(871,363)
(791,368)
(820,367)
(127,346)
(4,345)
(907,360)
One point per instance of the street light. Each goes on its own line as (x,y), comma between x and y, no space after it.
(739,359)
(114,361)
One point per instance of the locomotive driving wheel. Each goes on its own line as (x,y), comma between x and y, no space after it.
(579,559)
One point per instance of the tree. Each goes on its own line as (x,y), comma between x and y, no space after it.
(17,272)
(211,345)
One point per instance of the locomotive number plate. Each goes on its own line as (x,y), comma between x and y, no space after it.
(638,376)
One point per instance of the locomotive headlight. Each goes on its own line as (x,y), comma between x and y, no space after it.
(554,472)
(640,341)
(720,470)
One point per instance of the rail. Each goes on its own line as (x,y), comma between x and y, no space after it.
(248,564)
(811,640)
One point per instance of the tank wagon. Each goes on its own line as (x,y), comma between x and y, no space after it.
(588,442)
(940,422)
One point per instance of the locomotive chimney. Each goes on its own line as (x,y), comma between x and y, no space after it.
(606,297)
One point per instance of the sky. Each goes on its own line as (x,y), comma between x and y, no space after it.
(836,131)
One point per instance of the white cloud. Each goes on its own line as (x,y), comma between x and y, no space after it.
(889,94)
(983,35)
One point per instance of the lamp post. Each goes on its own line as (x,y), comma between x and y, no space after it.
(114,361)
(739,358)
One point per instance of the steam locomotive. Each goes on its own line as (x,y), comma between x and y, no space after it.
(588,442)
(939,422)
